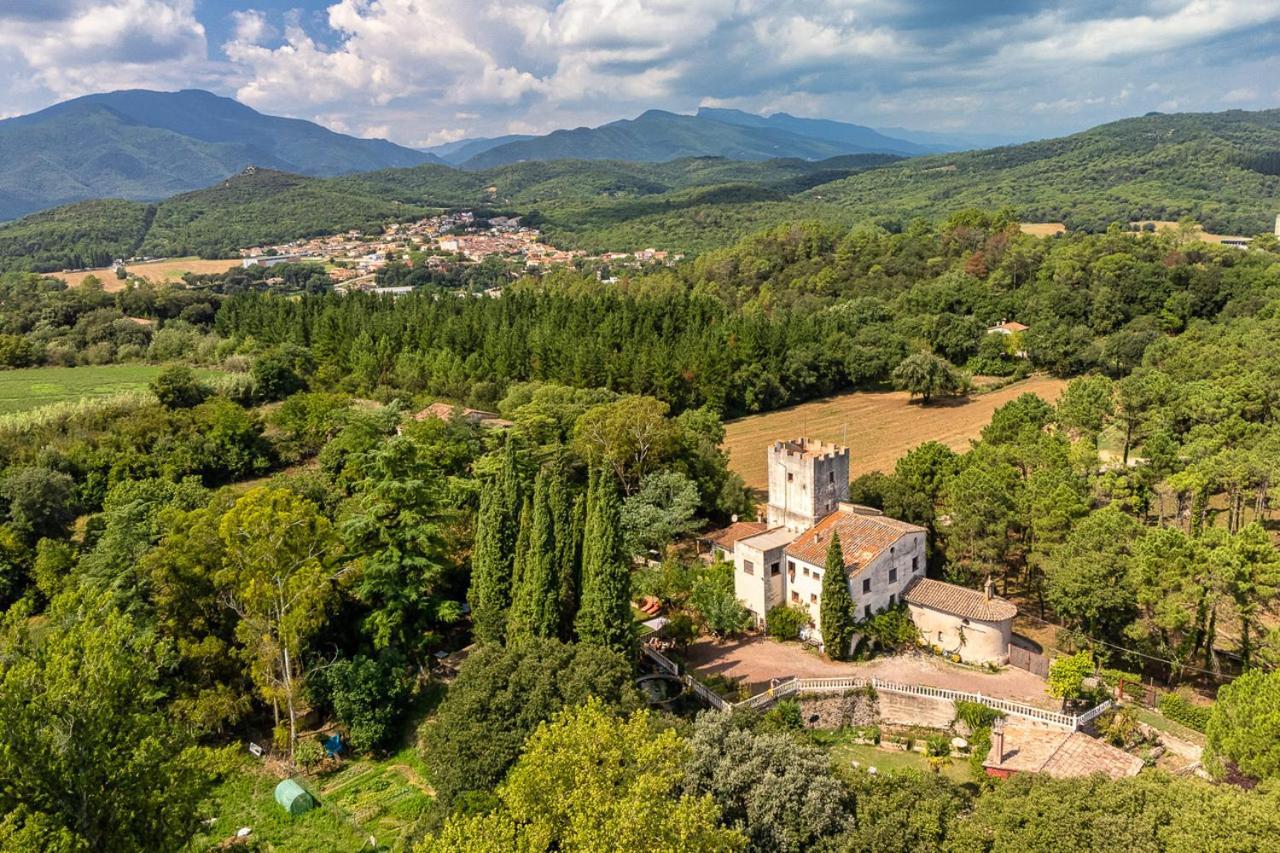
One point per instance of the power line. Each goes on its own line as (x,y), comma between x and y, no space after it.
(1171,663)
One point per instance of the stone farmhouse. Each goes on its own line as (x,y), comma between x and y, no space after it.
(781,560)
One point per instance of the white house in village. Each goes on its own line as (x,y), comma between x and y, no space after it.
(781,560)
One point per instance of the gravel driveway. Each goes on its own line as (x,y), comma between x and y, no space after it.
(757,660)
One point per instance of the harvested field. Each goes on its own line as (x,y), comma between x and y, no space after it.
(1042,229)
(878,426)
(156,272)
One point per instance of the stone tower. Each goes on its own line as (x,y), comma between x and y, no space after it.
(807,479)
(1278,224)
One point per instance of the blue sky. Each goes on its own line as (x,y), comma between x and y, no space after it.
(427,71)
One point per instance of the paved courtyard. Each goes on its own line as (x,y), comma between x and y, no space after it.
(757,660)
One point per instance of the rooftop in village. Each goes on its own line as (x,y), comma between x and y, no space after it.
(959,600)
(863,535)
(1062,755)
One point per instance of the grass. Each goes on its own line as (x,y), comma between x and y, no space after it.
(154,271)
(1158,721)
(879,427)
(33,387)
(844,753)
(245,797)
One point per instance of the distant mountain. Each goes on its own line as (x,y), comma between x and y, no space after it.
(1221,169)
(147,145)
(854,135)
(657,136)
(455,153)
(961,141)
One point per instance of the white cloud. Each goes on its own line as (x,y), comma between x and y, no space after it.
(251,26)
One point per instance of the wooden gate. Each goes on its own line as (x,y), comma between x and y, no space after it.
(1029,660)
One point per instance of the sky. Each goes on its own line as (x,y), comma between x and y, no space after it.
(423,72)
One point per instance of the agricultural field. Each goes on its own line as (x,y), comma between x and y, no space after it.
(360,800)
(32,387)
(157,272)
(878,426)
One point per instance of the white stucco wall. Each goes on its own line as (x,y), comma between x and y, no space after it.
(906,556)
(983,641)
(760,590)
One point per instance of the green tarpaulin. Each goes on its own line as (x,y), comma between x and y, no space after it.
(292,798)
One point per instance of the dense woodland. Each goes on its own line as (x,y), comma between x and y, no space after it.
(1219,168)
(231,559)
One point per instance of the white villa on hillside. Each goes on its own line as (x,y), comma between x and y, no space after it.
(782,560)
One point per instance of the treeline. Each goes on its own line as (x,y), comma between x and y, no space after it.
(785,316)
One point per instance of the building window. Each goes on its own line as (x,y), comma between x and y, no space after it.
(893,575)
(939,636)
(775,569)
(866,585)
(831,476)
(790,476)
(893,599)
(866,612)
(915,565)
(813,598)
(791,566)
(748,568)
(817,576)
(806,571)
(795,596)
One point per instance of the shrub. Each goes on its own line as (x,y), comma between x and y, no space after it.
(308,753)
(785,622)
(1067,675)
(975,715)
(782,717)
(1180,709)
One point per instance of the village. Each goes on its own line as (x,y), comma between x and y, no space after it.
(440,242)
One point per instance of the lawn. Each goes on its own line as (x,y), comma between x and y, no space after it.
(879,427)
(32,387)
(844,753)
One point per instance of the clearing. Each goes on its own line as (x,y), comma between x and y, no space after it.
(32,387)
(157,272)
(878,426)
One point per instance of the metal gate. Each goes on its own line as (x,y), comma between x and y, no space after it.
(1029,660)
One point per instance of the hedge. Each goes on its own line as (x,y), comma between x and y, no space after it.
(1178,708)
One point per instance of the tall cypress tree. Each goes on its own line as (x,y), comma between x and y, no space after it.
(604,616)
(493,558)
(562,504)
(535,608)
(571,580)
(837,604)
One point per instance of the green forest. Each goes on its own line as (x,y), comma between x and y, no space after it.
(1217,168)
(267,546)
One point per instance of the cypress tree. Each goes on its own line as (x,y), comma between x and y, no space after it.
(604,617)
(571,579)
(535,609)
(493,558)
(837,604)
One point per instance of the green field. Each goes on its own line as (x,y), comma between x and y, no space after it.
(33,387)
(362,799)
(844,753)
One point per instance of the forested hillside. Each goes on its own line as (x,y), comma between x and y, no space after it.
(1218,168)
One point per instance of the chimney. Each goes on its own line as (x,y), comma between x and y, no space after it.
(989,589)
(997,745)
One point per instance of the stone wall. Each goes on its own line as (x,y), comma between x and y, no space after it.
(860,708)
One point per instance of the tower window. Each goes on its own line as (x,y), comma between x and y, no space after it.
(893,575)
(831,476)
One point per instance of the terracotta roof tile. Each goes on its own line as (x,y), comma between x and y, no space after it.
(958,600)
(738,530)
(1062,755)
(862,537)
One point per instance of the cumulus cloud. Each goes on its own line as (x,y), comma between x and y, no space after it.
(437,69)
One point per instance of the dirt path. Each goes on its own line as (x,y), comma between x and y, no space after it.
(878,426)
(756,660)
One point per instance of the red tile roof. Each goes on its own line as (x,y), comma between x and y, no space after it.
(738,530)
(958,600)
(862,537)
(1062,755)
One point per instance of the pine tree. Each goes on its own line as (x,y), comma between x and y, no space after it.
(837,603)
(604,617)
(493,559)
(535,608)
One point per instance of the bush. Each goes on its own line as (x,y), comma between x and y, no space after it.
(782,717)
(975,715)
(891,628)
(785,622)
(308,753)
(1179,708)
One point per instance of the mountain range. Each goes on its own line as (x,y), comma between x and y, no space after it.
(1222,169)
(145,146)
